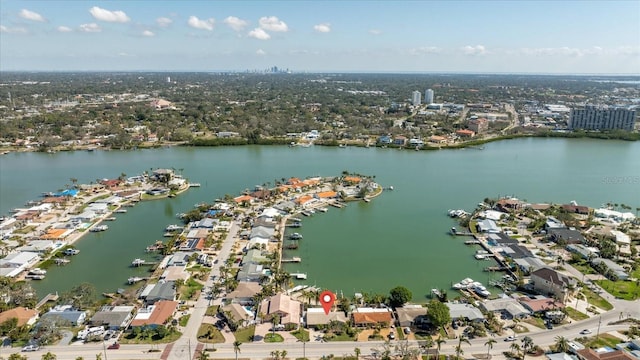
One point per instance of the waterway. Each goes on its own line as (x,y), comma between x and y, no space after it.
(399,238)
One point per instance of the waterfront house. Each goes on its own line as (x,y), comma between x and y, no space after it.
(500,239)
(623,242)
(65,314)
(507,307)
(98,208)
(478,125)
(86,216)
(236,315)
(316,317)
(155,315)
(162,175)
(465,133)
(365,317)
(550,282)
(327,195)
(40,246)
(618,270)
(411,315)
(56,233)
(164,290)
(540,304)
(180,258)
(529,264)
(488,226)
(553,223)
(262,194)
(255,256)
(508,204)
(492,215)
(569,236)
(113,317)
(284,306)
(251,272)
(585,252)
(515,251)
(173,273)
(437,139)
(465,311)
(257,242)
(576,209)
(384,140)
(604,353)
(111,184)
(244,293)
(206,223)
(262,231)
(23,315)
(197,233)
(15,263)
(305,200)
(400,140)
(243,199)
(265,220)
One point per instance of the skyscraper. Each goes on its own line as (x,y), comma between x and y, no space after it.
(602,118)
(428,96)
(415,98)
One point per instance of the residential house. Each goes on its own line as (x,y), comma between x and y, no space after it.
(113,317)
(437,139)
(604,354)
(585,252)
(569,236)
(465,311)
(41,246)
(364,317)
(23,315)
(282,305)
(618,270)
(251,272)
(411,315)
(173,273)
(488,226)
(316,317)
(244,293)
(155,315)
(65,314)
(385,140)
(529,263)
(161,291)
(400,140)
(236,315)
(623,242)
(576,209)
(550,282)
(507,307)
(540,304)
(15,263)
(464,133)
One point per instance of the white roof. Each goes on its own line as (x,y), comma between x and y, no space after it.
(621,237)
(21,258)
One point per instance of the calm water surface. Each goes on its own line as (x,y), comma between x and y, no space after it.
(397,239)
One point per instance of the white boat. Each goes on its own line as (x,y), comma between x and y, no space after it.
(71,251)
(458,286)
(173,227)
(35,277)
(295,236)
(299,276)
(120,211)
(99,228)
(134,279)
(137,262)
(323,209)
(194,184)
(37,271)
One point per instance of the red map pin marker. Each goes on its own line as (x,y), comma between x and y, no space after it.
(327,298)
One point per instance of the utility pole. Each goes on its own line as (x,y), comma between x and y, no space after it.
(598,332)
(105,350)
(189,345)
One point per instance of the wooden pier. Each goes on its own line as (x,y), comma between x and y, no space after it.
(455,232)
(294,259)
(46,299)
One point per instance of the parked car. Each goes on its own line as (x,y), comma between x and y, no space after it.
(114,346)
(510,338)
(31,348)
(407,330)
(585,332)
(392,335)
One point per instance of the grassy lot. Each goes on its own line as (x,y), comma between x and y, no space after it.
(273,338)
(535,321)
(212,310)
(602,340)
(301,334)
(184,320)
(210,334)
(24,230)
(173,336)
(583,267)
(341,337)
(627,290)
(575,314)
(189,289)
(596,300)
(245,334)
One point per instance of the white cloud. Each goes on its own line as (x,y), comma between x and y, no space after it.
(64,29)
(201,24)
(108,15)
(148,33)
(375,32)
(425,50)
(90,28)
(15,30)
(474,50)
(272,23)
(163,21)
(322,28)
(261,52)
(235,23)
(30,15)
(259,34)
(562,51)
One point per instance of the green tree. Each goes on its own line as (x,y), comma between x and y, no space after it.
(17,356)
(357,352)
(202,355)
(561,344)
(236,348)
(48,356)
(438,313)
(527,345)
(489,345)
(439,342)
(459,350)
(399,295)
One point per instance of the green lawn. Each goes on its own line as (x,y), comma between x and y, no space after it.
(596,300)
(212,310)
(301,334)
(627,290)
(210,334)
(601,341)
(575,314)
(184,320)
(273,338)
(245,334)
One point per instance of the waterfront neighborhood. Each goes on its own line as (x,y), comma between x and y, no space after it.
(219,283)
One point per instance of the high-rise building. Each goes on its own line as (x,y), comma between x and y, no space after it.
(602,118)
(415,98)
(428,96)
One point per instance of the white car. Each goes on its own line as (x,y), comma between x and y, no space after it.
(585,332)
(510,338)
(31,348)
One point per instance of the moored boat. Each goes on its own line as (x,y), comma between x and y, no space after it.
(99,228)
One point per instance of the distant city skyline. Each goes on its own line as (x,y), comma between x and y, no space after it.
(550,37)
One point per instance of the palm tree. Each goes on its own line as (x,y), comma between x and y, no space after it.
(516,348)
(236,347)
(48,356)
(459,350)
(439,342)
(357,352)
(202,355)
(489,345)
(561,344)
(527,345)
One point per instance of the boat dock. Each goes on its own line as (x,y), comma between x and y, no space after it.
(46,299)
(299,276)
(337,204)
(294,259)
(456,232)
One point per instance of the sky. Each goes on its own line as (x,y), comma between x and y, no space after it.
(540,37)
